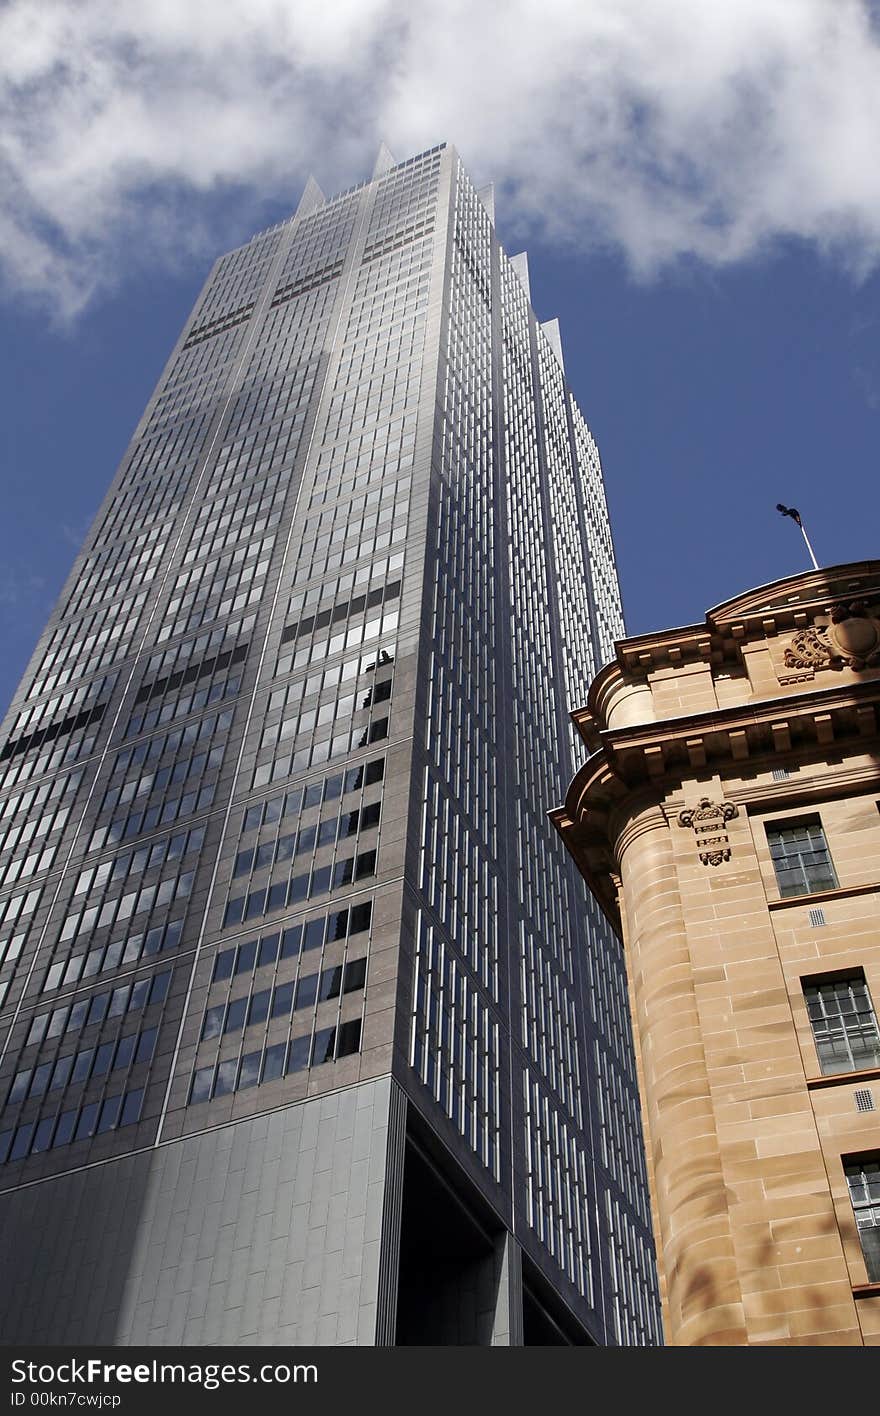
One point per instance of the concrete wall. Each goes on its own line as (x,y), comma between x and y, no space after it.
(262,1231)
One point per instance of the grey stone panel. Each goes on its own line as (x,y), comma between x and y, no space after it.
(264,1231)
(507,1327)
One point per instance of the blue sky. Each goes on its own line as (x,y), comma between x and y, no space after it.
(701,207)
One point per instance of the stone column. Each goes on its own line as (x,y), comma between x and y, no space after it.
(704,1302)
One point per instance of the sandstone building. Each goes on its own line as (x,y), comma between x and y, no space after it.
(727,822)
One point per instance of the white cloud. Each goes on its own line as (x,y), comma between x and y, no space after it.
(670,128)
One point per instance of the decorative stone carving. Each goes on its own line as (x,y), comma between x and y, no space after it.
(811,649)
(855,634)
(709,821)
(850,640)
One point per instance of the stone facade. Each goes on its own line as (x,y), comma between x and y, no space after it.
(707,743)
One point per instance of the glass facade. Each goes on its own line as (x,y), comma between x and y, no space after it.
(273,790)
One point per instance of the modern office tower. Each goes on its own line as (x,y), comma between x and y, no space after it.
(728,822)
(310,1032)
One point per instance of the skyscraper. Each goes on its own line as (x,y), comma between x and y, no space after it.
(311,1033)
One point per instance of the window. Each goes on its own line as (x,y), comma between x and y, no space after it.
(863,1179)
(844,1024)
(800,857)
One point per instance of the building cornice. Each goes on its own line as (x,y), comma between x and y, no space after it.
(640,765)
(808,725)
(788,605)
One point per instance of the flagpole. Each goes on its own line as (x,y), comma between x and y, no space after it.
(795,515)
(809,547)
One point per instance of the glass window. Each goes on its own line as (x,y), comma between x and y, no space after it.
(72,1019)
(360,917)
(273,1063)
(325,1039)
(223,965)
(83,1064)
(354,778)
(22,1143)
(844,1024)
(256,904)
(87,1120)
(343,872)
(863,1179)
(98,1008)
(125,1050)
(801,858)
(349,1038)
(264,855)
(103,1059)
(355,975)
(40,1023)
(300,1048)
(61,1072)
(250,1070)
(320,882)
(298,889)
(19,1087)
(314,934)
(234,911)
(43,1135)
(276,897)
(139,994)
(159,987)
(268,950)
(337,925)
(64,1129)
(145,1045)
(109,1114)
(331,982)
(226,1074)
(366,865)
(285,848)
(259,1009)
(246,956)
(118,1001)
(201,1084)
(236,1015)
(306,991)
(131,1107)
(213,1021)
(290,941)
(333,788)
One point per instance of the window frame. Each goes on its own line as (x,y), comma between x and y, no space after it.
(870,1256)
(832,981)
(808,887)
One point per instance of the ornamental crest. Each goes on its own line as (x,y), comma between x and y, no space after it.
(709,821)
(850,639)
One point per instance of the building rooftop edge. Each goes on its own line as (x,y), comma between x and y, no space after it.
(774,599)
